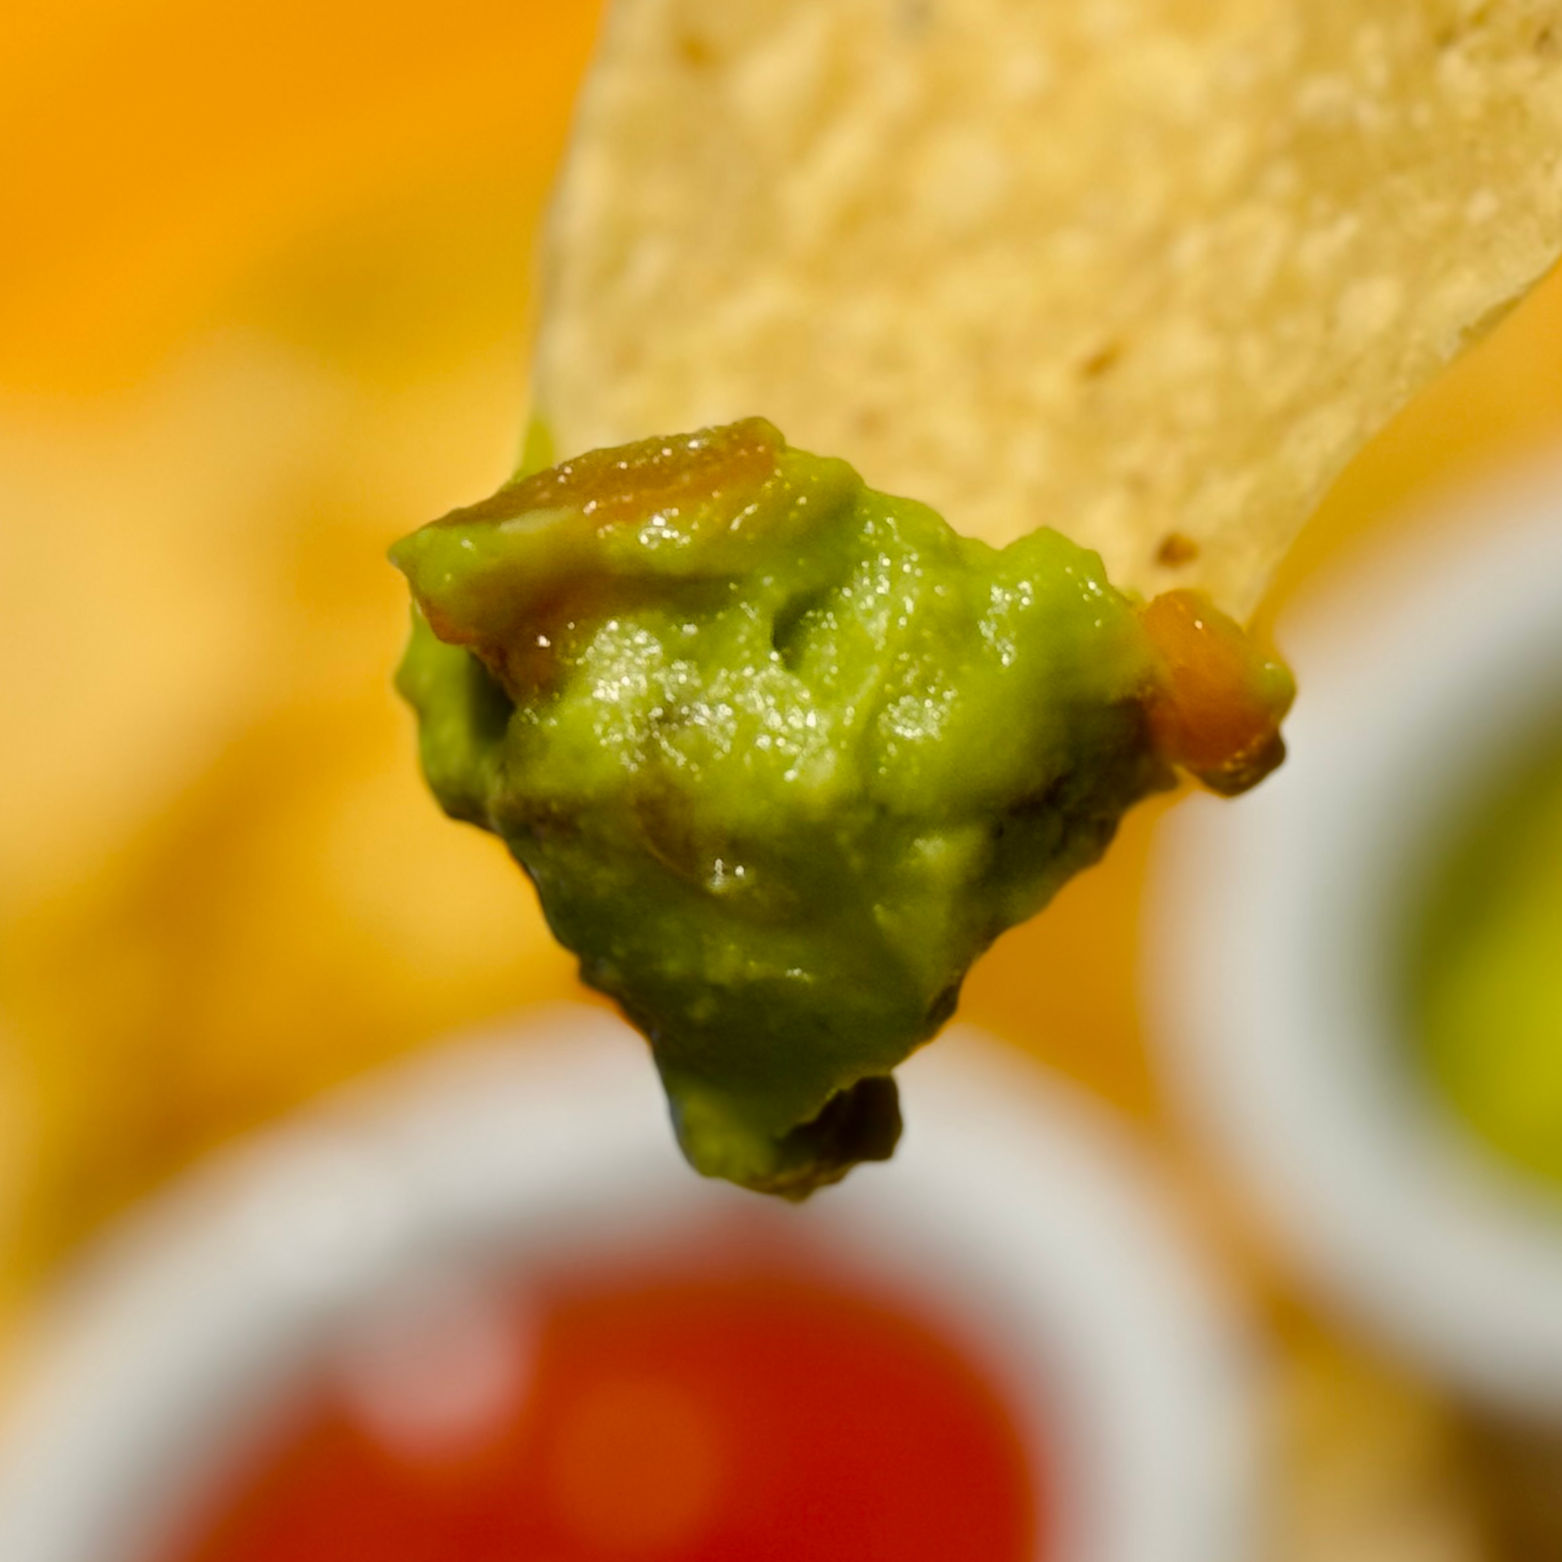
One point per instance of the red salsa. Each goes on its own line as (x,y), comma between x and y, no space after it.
(676,1414)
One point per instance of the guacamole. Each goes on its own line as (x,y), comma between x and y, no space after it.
(782,755)
(1485,984)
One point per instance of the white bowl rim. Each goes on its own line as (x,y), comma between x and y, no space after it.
(1264,992)
(1004,1174)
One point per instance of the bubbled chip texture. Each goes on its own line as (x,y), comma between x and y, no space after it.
(1149,271)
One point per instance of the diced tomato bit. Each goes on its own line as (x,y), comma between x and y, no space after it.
(630,484)
(1217,704)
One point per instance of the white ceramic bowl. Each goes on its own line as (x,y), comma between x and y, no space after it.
(1272,934)
(1012,1205)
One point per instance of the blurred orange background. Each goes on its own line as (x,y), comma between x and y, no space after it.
(264,306)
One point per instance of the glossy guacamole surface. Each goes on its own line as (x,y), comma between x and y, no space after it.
(783,754)
(1486,974)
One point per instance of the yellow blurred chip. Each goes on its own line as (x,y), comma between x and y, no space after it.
(1148,271)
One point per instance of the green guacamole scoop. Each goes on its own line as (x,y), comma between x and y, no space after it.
(782,755)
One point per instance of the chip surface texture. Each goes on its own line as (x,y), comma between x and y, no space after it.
(1148,271)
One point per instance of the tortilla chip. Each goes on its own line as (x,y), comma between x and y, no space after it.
(1148,271)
